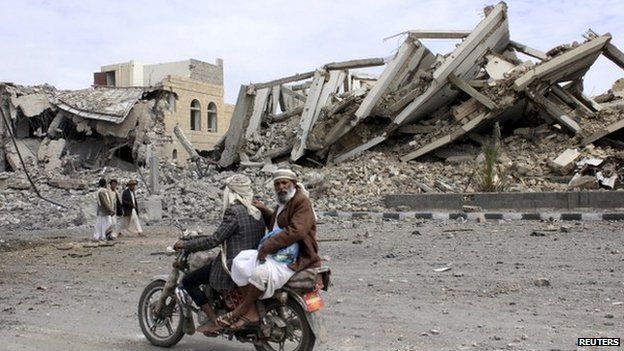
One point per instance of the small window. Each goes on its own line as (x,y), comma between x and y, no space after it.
(212,117)
(110,79)
(174,154)
(195,115)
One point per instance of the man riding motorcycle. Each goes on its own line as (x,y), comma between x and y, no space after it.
(296,218)
(241,228)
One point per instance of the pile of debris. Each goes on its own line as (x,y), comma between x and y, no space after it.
(79,129)
(423,102)
(421,126)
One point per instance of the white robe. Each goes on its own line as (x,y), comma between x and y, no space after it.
(130,224)
(268,276)
(102,225)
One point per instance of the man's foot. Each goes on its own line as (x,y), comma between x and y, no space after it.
(244,323)
(209,329)
(249,319)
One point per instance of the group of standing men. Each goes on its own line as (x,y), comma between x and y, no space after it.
(110,206)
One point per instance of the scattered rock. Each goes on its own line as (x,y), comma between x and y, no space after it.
(541,282)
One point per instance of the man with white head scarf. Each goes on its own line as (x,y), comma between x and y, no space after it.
(295,216)
(241,228)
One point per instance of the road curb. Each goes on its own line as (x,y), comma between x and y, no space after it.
(529,216)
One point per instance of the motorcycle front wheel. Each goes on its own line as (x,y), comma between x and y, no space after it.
(296,336)
(162,328)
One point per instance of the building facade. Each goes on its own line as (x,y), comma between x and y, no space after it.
(197,105)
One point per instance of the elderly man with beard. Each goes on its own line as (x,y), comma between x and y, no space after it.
(241,228)
(295,216)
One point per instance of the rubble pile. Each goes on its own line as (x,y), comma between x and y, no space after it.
(423,102)
(418,127)
(89,126)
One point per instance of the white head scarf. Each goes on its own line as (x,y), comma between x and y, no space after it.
(238,188)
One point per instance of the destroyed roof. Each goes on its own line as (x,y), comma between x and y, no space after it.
(101,103)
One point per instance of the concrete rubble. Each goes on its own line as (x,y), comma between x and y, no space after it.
(423,102)
(420,126)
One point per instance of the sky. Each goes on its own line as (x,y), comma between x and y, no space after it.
(62,42)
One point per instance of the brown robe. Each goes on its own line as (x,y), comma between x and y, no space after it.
(297,220)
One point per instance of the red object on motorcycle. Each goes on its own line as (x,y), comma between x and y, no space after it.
(314,301)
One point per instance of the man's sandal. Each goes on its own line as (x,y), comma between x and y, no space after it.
(225,321)
(247,324)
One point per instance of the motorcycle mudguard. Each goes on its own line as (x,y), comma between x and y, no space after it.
(315,320)
(162,277)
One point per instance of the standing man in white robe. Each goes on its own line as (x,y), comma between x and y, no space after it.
(104,212)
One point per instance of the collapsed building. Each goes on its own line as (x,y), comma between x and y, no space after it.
(82,128)
(422,125)
(424,102)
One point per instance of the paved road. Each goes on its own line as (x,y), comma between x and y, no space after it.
(387,294)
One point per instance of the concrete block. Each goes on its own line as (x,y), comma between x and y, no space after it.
(584,182)
(565,162)
(152,208)
(67,183)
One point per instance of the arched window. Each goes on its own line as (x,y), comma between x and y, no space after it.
(195,115)
(174,154)
(212,117)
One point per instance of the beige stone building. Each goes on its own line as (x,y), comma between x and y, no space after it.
(198,107)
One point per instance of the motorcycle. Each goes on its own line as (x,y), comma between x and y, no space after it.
(290,320)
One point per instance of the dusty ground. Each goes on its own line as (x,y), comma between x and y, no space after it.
(386,296)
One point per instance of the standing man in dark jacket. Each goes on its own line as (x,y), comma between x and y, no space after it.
(130,221)
(241,229)
(295,216)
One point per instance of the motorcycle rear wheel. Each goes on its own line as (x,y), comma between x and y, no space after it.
(298,332)
(170,322)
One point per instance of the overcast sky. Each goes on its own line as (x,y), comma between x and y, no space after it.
(63,42)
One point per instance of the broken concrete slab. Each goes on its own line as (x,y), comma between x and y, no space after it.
(67,183)
(308,115)
(583,182)
(565,162)
(566,66)
(235,130)
(32,105)
(50,152)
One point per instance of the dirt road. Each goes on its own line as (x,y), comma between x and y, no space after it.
(387,294)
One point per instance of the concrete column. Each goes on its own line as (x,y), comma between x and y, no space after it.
(154,177)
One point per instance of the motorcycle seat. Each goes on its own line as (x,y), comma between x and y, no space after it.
(309,279)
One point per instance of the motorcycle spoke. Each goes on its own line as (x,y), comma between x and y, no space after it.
(153,328)
(168,325)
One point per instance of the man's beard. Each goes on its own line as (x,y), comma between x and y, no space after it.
(285,195)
